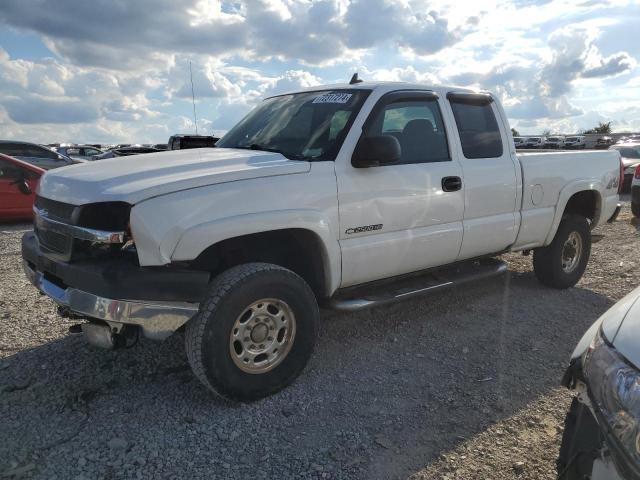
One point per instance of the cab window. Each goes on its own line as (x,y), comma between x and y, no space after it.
(418,126)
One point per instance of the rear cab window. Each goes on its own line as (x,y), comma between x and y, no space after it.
(477,125)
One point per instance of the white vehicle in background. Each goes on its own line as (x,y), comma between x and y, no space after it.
(628,139)
(518,142)
(554,142)
(534,142)
(349,196)
(630,155)
(577,141)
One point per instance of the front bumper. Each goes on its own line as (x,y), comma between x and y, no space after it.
(589,451)
(158,300)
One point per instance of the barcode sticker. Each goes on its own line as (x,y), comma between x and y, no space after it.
(333,98)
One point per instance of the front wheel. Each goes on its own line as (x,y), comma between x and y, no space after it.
(254,333)
(562,263)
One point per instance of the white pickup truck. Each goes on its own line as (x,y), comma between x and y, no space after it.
(347,196)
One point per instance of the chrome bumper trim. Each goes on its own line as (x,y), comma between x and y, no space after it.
(82,233)
(157,320)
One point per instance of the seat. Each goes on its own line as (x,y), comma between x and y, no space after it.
(418,137)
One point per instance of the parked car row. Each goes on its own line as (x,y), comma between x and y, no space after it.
(556,142)
(35,154)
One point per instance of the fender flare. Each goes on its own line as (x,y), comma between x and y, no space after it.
(197,238)
(563,198)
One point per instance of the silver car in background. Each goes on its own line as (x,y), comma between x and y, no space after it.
(35,154)
(78,152)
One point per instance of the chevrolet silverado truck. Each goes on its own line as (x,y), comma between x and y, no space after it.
(344,196)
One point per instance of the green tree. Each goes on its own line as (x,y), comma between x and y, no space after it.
(515,132)
(602,127)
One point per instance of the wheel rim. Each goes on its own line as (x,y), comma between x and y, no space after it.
(262,335)
(571,252)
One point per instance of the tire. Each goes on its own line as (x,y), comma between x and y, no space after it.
(548,261)
(219,339)
(635,209)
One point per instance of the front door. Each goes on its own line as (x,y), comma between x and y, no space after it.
(398,218)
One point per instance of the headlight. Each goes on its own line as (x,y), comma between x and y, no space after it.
(614,386)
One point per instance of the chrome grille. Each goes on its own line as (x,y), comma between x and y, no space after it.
(54,241)
(56,210)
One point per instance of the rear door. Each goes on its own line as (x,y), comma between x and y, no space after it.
(398,218)
(491,211)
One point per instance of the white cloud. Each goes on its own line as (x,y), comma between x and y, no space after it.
(121,69)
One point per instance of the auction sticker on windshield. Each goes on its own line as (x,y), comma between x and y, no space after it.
(332,98)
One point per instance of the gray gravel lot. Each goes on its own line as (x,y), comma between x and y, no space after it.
(462,385)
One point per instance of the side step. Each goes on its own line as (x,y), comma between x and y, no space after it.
(413,286)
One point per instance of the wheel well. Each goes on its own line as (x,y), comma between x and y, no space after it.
(585,203)
(299,250)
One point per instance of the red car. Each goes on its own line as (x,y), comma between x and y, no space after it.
(18,182)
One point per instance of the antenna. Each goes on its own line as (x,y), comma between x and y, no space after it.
(193,99)
(354,79)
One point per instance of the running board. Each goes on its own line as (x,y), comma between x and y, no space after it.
(415,286)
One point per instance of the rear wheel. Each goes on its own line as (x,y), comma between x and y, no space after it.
(254,333)
(562,263)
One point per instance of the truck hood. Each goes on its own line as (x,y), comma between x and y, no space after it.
(624,333)
(139,177)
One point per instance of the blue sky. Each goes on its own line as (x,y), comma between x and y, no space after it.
(112,71)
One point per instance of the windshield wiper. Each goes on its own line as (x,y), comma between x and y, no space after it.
(264,148)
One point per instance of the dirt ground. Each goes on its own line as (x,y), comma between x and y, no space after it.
(464,385)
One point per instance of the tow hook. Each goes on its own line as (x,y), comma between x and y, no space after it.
(99,335)
(104,336)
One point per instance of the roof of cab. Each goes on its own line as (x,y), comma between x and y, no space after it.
(386,86)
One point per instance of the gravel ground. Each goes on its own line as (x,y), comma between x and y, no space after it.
(462,385)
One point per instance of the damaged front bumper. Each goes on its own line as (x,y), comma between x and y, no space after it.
(589,450)
(157,300)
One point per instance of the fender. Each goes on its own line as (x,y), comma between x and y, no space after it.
(197,238)
(566,193)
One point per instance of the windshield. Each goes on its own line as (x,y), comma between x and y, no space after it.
(301,126)
(629,152)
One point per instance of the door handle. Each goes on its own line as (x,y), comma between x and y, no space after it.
(451,184)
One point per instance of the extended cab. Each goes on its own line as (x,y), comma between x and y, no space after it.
(347,196)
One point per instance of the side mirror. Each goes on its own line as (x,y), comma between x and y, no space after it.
(376,151)
(24,187)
